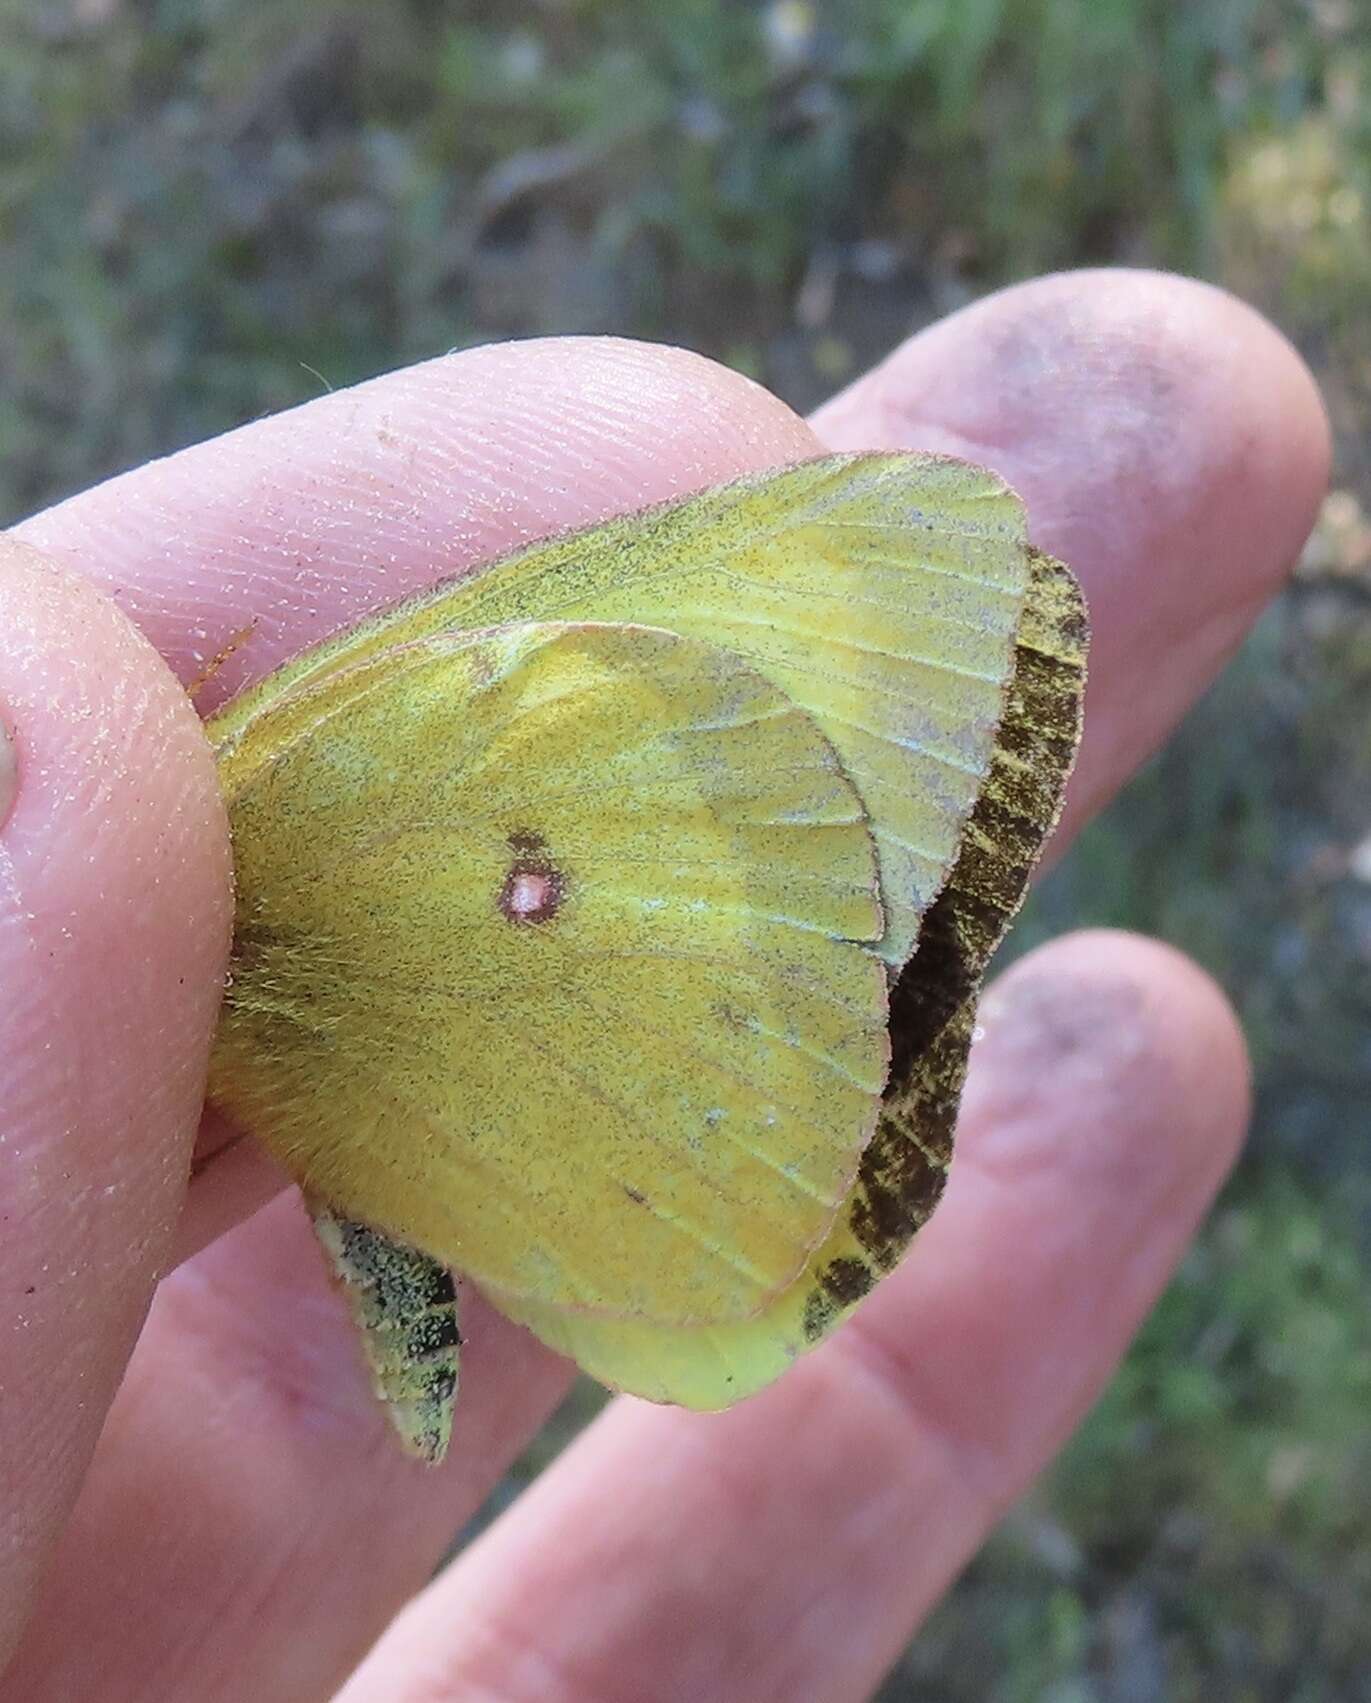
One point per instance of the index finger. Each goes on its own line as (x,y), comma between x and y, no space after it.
(295,526)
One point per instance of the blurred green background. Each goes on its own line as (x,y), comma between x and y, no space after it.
(210,208)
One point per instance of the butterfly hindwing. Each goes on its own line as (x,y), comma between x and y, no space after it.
(577,991)
(405,1306)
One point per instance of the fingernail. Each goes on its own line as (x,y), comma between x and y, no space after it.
(9,773)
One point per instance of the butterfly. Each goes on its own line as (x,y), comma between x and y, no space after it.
(610,920)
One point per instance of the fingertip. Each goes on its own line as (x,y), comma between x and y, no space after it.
(1262,381)
(115,842)
(1158,381)
(1130,1028)
(114,921)
(1113,398)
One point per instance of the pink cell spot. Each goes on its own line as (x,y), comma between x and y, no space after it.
(529,894)
(532,892)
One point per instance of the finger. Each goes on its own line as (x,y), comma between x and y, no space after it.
(786,1548)
(271,537)
(114,915)
(246,1485)
(1171,447)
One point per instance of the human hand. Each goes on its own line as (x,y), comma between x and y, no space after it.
(246,1527)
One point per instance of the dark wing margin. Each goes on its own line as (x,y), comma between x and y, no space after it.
(405,1306)
(933,1003)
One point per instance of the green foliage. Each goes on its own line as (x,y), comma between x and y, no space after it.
(1258,1364)
(205,205)
(1204,1535)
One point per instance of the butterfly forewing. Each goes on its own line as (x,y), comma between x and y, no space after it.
(880,592)
(904,1168)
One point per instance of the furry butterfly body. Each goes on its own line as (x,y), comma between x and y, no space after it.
(610,921)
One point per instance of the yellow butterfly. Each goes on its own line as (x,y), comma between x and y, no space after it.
(610,920)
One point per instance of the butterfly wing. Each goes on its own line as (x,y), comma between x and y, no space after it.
(405,1306)
(891,599)
(552,959)
(880,592)
(933,1004)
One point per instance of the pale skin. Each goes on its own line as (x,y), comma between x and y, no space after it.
(201,1499)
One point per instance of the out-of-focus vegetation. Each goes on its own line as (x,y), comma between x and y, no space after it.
(209,206)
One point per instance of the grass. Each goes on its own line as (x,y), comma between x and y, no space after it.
(207,210)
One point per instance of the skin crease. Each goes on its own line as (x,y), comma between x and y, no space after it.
(247,1528)
(9,772)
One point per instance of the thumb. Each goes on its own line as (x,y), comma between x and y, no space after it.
(114,922)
